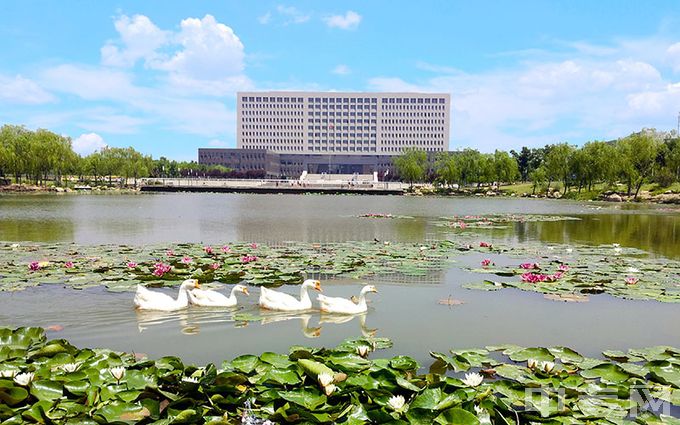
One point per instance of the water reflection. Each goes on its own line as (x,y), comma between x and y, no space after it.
(188,320)
(216,218)
(344,318)
(307,331)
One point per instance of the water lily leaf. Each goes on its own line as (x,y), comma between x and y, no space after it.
(279,376)
(511,371)
(47,390)
(245,363)
(362,381)
(566,355)
(403,363)
(620,356)
(307,398)
(12,395)
(457,363)
(457,416)
(77,387)
(420,416)
(275,359)
(349,362)
(475,358)
(665,372)
(428,399)
(604,408)
(609,373)
(524,354)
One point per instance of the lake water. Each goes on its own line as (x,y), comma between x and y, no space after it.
(406,310)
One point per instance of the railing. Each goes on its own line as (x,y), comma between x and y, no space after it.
(272,183)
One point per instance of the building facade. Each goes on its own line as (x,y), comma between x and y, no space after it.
(343,123)
(283,134)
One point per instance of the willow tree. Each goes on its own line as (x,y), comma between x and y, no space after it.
(411,165)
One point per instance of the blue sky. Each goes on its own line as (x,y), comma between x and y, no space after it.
(162,75)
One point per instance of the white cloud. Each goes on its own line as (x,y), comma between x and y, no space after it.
(20,90)
(204,57)
(210,50)
(91,83)
(264,19)
(673,55)
(215,143)
(87,143)
(292,15)
(139,39)
(348,21)
(578,97)
(341,70)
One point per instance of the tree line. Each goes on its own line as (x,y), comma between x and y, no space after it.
(42,156)
(648,156)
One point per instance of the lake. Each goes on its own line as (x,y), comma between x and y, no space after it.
(406,310)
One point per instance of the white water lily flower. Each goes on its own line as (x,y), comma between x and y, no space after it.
(532,363)
(547,367)
(117,372)
(8,373)
(473,379)
(616,245)
(325,379)
(482,415)
(24,379)
(632,270)
(423,248)
(70,367)
(396,402)
(617,250)
(569,250)
(189,380)
(329,389)
(362,350)
(14,246)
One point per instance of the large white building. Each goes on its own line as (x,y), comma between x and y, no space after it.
(343,123)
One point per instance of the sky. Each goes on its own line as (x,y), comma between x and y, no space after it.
(162,75)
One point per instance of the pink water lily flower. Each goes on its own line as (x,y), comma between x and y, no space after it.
(69,264)
(170,253)
(486,262)
(160,269)
(208,250)
(485,245)
(563,268)
(131,265)
(253,245)
(529,266)
(248,258)
(34,266)
(186,259)
(226,248)
(215,266)
(632,280)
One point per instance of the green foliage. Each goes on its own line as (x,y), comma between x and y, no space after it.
(111,265)
(411,165)
(52,381)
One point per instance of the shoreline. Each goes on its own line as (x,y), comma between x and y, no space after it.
(668,197)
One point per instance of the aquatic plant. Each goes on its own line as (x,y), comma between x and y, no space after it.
(38,384)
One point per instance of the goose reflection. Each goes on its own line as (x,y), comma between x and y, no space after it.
(307,331)
(344,318)
(189,320)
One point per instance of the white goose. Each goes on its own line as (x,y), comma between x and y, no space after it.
(345,306)
(209,298)
(146,299)
(275,300)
